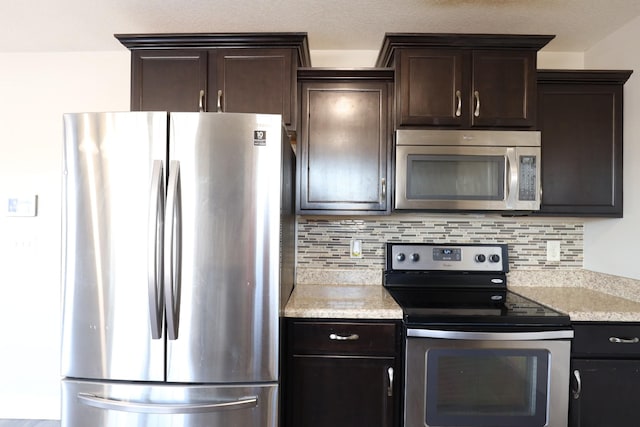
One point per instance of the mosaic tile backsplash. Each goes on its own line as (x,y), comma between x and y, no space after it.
(324,242)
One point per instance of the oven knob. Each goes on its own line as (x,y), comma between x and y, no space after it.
(400,257)
(494,258)
(415,257)
(481,258)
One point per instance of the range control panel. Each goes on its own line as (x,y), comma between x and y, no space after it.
(444,257)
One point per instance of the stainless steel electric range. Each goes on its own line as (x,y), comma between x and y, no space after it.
(477,354)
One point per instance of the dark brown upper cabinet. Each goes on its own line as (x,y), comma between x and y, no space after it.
(255,81)
(173,80)
(235,72)
(463,81)
(580,118)
(344,141)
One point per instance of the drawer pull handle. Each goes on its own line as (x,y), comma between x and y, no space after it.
(617,340)
(390,388)
(337,337)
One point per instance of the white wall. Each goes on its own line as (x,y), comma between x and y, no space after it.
(610,246)
(35,90)
(560,60)
(344,58)
(367,58)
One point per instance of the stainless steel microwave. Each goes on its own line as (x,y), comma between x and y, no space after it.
(467,170)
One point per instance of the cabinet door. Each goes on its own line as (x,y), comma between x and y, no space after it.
(430,88)
(254,81)
(609,393)
(343,147)
(341,392)
(168,80)
(503,88)
(581,127)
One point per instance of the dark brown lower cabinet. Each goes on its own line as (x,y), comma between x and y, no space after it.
(342,374)
(610,393)
(605,375)
(341,391)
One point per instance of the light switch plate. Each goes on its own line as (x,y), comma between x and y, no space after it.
(22,205)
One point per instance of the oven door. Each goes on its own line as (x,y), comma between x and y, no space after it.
(482,379)
(468,178)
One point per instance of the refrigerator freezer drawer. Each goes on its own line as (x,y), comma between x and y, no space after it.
(111,404)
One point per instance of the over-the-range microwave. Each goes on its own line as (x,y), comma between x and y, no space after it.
(478,170)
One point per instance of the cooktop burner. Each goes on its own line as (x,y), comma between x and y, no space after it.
(451,285)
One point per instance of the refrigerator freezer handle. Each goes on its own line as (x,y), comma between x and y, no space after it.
(156,224)
(166,408)
(172,250)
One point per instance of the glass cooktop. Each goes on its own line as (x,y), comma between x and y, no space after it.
(515,310)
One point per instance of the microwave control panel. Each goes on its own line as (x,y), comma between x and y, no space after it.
(527,178)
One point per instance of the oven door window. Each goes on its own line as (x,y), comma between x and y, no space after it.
(455,177)
(487,387)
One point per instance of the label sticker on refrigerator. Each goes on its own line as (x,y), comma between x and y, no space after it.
(260,138)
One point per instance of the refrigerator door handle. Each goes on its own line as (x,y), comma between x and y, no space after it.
(172,250)
(156,224)
(166,408)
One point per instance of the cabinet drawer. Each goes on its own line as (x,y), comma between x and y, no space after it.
(348,338)
(607,339)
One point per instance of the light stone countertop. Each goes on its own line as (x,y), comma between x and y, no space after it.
(582,294)
(342,302)
(358,294)
(583,304)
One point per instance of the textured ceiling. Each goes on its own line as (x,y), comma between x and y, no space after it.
(89,25)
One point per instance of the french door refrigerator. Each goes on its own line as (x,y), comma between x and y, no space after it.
(177,257)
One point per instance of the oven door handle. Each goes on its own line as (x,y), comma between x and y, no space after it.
(492,336)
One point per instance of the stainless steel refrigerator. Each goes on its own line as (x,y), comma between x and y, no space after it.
(177,258)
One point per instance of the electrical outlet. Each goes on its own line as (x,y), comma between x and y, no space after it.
(553,250)
(356,248)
